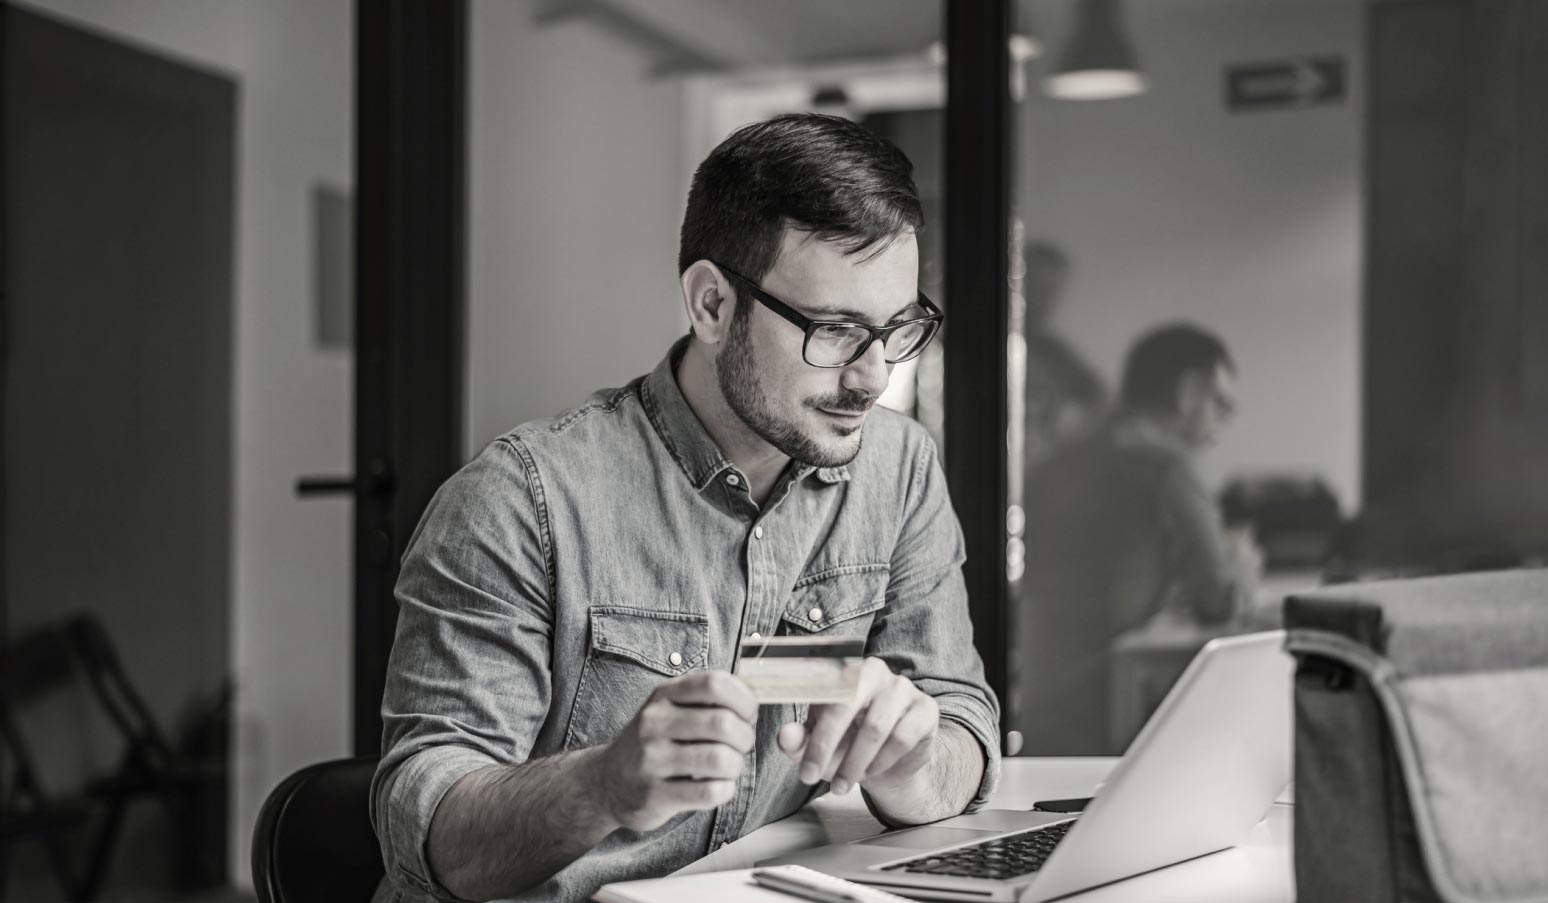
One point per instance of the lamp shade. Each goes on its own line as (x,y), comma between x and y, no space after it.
(1098,62)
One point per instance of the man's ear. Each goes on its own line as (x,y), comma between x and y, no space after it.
(710,300)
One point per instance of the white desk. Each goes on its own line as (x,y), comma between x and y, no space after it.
(1259,871)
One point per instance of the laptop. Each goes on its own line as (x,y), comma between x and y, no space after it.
(1201,773)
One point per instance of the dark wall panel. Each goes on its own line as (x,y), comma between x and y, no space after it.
(117,373)
(1456,454)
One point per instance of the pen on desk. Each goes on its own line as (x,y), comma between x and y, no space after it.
(806,891)
(812,885)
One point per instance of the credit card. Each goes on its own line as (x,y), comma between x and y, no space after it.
(786,669)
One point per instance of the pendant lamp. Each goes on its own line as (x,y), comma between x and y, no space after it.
(1098,62)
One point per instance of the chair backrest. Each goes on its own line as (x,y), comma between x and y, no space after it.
(33,665)
(314,840)
(147,745)
(76,654)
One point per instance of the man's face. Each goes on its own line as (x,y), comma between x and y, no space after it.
(814,414)
(1206,404)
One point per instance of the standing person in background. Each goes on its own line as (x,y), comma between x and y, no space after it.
(1064,395)
(1120,527)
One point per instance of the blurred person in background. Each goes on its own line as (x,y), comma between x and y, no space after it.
(1121,528)
(1064,396)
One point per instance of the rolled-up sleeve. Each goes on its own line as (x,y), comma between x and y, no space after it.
(924,632)
(468,681)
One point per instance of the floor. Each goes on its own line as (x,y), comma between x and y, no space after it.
(29,880)
(30,889)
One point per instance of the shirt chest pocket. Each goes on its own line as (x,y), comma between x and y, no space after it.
(629,652)
(836,604)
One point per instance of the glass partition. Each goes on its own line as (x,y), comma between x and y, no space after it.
(1213,193)
(1281,325)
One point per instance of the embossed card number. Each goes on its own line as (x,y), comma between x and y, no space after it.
(800,669)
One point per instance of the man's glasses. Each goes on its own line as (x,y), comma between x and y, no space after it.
(838,343)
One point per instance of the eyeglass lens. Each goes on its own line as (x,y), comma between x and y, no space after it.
(835,346)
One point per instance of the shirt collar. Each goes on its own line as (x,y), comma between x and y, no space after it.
(685,437)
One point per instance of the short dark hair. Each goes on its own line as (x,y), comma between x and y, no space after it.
(821,174)
(1159,360)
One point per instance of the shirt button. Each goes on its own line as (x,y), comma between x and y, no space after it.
(733,479)
(758,532)
(675,658)
(815,614)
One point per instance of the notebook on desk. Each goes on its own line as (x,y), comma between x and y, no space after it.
(1197,778)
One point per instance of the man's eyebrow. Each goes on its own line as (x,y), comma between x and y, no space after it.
(827,312)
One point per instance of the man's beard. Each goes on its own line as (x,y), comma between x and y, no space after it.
(738,377)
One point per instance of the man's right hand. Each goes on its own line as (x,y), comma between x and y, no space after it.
(684,750)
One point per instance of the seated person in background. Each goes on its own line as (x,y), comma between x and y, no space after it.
(1120,527)
(558,712)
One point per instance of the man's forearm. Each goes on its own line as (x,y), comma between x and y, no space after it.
(503,829)
(942,788)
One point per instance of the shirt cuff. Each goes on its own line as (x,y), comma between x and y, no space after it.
(970,714)
(417,790)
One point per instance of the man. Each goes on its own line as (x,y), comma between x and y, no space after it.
(558,712)
(1120,527)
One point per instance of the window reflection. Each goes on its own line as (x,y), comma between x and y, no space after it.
(1291,181)
(1160,208)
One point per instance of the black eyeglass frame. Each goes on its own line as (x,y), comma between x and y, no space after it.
(934,315)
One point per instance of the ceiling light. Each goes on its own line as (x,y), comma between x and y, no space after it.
(1098,62)
(1022,48)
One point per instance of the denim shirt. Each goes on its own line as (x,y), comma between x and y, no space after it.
(581,560)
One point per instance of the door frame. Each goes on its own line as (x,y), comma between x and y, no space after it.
(978,105)
(410,171)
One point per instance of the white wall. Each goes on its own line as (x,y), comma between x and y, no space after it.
(295,408)
(574,207)
(1250,224)
(290,586)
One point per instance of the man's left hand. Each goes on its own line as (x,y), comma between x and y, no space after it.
(881,738)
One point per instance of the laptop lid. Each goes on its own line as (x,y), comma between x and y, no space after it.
(1197,778)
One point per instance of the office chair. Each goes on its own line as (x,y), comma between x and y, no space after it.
(28,812)
(76,654)
(149,766)
(314,842)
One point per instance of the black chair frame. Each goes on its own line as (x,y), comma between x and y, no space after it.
(314,842)
(57,655)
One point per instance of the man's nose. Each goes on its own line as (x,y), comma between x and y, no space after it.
(869,372)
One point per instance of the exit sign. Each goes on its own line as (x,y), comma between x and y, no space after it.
(1289,84)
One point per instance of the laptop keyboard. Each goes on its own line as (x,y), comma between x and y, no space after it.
(1000,857)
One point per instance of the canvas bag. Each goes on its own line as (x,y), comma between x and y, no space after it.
(1421,739)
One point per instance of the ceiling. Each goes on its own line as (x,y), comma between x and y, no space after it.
(682,36)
